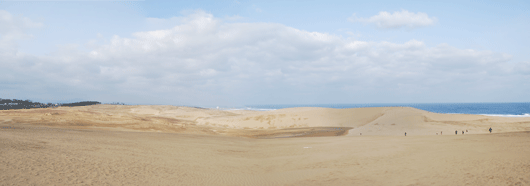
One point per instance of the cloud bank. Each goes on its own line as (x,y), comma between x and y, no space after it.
(13,28)
(396,20)
(205,61)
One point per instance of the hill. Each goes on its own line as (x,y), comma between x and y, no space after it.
(291,122)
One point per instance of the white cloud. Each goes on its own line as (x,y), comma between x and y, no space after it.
(523,67)
(208,72)
(13,28)
(397,20)
(204,60)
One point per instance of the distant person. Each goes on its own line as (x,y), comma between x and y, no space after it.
(462,132)
(466,131)
(490,130)
(405,133)
(441,133)
(456,132)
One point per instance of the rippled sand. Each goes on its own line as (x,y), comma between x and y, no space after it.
(163,145)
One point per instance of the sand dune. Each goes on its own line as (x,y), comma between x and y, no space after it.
(368,121)
(167,145)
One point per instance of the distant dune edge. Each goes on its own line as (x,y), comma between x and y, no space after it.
(282,123)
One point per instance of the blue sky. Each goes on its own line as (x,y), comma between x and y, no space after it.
(233,53)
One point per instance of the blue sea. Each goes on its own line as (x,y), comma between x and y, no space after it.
(490,109)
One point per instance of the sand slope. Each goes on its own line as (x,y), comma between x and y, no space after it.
(368,121)
(49,156)
(168,145)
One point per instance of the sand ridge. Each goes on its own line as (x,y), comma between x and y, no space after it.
(173,119)
(55,156)
(168,145)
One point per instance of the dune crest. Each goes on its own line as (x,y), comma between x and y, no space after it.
(168,145)
(305,121)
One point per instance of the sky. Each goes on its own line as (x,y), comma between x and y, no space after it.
(235,53)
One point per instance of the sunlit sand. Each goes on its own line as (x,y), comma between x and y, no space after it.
(168,145)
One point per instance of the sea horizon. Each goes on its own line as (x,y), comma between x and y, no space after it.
(503,109)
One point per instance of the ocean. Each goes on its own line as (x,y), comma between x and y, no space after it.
(490,109)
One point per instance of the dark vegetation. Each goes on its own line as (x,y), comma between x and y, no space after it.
(6,104)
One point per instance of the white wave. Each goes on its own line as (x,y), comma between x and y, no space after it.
(507,115)
(258,109)
(262,109)
(246,108)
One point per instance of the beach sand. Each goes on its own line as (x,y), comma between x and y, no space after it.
(167,145)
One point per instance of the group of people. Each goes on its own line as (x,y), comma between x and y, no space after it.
(456,132)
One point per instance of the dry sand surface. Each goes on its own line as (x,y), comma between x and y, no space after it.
(167,145)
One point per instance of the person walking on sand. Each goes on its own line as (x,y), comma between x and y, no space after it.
(405,133)
(462,132)
(490,129)
(441,132)
(456,132)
